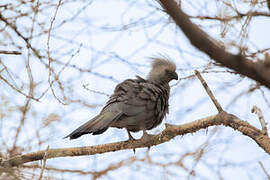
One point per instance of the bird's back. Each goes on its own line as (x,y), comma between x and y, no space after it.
(143,104)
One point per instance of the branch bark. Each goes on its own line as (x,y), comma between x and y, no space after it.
(169,133)
(198,38)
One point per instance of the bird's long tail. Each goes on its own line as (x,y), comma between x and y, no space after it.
(97,125)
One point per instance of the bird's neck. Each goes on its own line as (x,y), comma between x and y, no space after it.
(159,81)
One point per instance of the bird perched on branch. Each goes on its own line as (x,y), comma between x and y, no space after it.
(136,104)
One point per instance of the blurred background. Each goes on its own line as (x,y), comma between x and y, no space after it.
(60,60)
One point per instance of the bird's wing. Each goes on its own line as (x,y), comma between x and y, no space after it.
(141,103)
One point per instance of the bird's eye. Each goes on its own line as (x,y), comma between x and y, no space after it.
(167,71)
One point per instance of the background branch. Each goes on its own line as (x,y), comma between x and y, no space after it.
(264,170)
(254,70)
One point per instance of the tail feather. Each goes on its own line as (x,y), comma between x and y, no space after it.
(97,125)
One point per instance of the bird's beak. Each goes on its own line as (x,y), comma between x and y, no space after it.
(175,76)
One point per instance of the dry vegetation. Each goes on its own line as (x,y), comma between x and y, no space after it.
(59,60)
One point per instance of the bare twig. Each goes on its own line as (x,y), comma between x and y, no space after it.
(258,112)
(31,82)
(48,53)
(94,174)
(229,18)
(10,52)
(126,162)
(94,91)
(24,111)
(44,163)
(209,92)
(264,170)
(15,29)
(18,90)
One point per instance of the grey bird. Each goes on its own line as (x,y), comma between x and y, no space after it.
(136,104)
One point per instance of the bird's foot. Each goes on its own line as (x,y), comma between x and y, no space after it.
(146,136)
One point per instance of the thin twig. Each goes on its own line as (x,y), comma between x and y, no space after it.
(49,56)
(258,112)
(94,91)
(25,109)
(44,163)
(15,29)
(18,90)
(264,170)
(10,52)
(209,92)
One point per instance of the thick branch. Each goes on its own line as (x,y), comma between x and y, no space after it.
(170,132)
(254,70)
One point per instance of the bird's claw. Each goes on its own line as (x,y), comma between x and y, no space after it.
(146,136)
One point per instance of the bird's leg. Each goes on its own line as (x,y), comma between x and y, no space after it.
(130,138)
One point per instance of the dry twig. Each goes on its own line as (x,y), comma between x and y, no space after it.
(258,112)
(264,170)
(209,92)
(10,52)
(44,163)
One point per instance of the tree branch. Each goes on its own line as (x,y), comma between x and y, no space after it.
(209,92)
(169,133)
(198,38)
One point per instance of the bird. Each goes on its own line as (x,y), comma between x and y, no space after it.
(136,104)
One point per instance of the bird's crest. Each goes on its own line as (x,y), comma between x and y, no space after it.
(163,61)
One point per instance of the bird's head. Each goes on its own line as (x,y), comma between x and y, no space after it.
(163,71)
